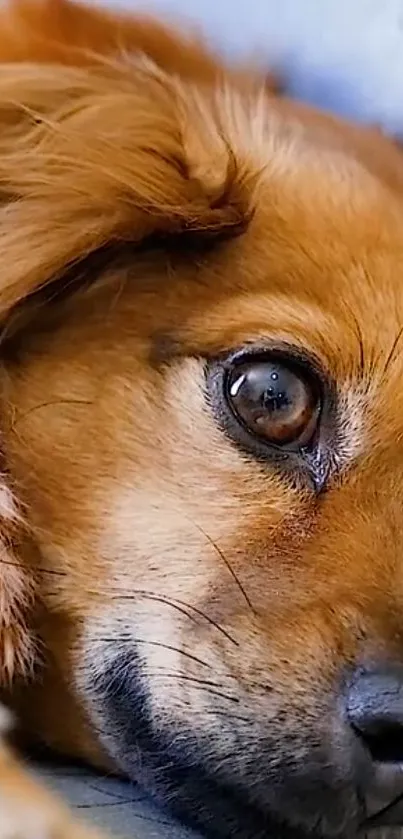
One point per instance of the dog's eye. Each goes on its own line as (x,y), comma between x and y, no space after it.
(274,401)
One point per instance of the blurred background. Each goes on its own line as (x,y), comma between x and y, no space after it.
(346,55)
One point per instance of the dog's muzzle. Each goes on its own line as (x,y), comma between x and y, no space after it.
(352,783)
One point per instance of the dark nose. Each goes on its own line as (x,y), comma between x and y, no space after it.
(375,711)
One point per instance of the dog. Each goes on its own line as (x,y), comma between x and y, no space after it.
(201,585)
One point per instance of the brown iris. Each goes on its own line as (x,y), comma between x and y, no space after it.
(276,402)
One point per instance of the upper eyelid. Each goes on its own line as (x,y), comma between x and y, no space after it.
(287,354)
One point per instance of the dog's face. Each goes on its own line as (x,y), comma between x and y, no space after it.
(202,420)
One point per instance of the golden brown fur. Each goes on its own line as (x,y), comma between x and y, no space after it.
(159,211)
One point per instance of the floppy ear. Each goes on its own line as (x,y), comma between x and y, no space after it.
(94,158)
(112,151)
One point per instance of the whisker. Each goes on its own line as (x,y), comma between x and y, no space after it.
(181,606)
(118,797)
(158,598)
(204,686)
(34,568)
(228,565)
(210,620)
(49,404)
(127,638)
(173,649)
(186,677)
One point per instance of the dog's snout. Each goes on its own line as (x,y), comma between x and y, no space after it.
(375,711)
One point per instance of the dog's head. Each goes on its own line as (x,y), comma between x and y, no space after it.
(202,428)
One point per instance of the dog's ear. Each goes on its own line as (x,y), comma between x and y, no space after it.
(90,158)
(110,131)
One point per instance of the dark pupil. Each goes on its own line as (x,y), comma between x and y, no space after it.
(276,396)
(273,400)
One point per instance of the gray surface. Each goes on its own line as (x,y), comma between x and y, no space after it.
(123,809)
